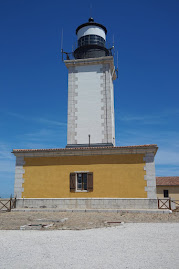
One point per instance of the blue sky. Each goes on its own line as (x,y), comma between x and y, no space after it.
(33,79)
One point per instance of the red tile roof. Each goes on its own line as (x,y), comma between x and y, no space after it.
(84,148)
(167,181)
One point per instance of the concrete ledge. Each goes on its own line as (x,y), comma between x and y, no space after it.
(150,211)
(87,203)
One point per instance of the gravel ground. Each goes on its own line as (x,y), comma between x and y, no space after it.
(130,245)
(78,220)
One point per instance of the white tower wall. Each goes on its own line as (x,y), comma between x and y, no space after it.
(90,101)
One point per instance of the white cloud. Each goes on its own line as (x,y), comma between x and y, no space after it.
(167,170)
(37,119)
(7,166)
(43,135)
(52,122)
(16,115)
(167,141)
(167,157)
(148,118)
(5,151)
(7,160)
(138,136)
(141,119)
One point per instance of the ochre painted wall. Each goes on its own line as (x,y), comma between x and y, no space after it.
(114,176)
(173,191)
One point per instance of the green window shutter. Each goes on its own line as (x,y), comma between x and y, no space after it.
(90,181)
(72,182)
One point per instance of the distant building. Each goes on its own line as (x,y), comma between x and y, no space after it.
(168,187)
(90,172)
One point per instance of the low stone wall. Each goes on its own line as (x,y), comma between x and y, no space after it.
(87,203)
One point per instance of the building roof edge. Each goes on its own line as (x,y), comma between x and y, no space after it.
(167,181)
(88,150)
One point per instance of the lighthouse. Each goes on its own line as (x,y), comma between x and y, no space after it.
(90,89)
(91,172)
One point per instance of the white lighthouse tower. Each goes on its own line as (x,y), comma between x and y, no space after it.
(90,89)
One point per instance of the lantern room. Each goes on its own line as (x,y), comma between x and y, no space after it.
(91,40)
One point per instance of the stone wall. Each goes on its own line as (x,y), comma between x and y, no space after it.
(88,203)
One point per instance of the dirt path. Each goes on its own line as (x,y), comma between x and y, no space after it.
(78,220)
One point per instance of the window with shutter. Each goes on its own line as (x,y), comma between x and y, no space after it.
(81,181)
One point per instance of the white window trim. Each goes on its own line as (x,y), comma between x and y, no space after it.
(81,171)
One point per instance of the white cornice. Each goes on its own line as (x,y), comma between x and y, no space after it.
(92,61)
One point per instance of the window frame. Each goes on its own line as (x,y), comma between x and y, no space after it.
(76,178)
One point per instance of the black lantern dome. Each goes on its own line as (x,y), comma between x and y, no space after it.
(91,40)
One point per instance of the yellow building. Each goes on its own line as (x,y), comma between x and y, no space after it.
(94,177)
